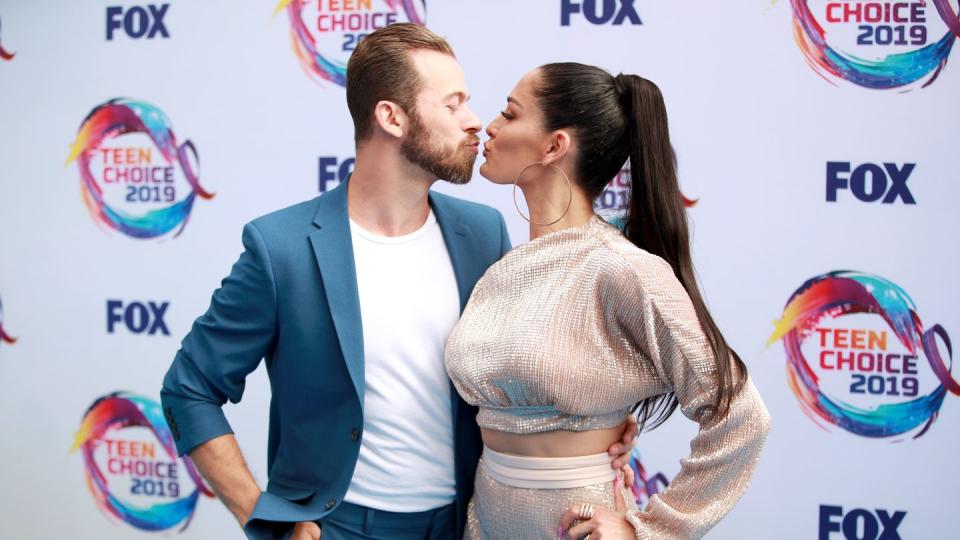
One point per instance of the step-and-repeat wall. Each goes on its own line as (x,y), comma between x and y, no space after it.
(816,146)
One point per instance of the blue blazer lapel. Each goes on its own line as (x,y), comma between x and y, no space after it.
(333,248)
(468,266)
(457,237)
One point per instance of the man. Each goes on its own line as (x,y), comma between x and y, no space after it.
(350,297)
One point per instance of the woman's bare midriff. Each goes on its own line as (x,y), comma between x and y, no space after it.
(552,443)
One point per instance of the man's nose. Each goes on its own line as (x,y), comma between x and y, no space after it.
(473,124)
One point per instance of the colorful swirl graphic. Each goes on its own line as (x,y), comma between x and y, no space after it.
(119,117)
(893,71)
(3,52)
(645,486)
(845,292)
(318,66)
(4,337)
(122,410)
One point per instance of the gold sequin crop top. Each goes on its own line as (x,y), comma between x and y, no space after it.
(570,330)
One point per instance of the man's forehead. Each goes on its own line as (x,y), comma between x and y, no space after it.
(439,73)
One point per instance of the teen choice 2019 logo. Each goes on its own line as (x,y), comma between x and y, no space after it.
(134,177)
(859,357)
(325,32)
(879,44)
(614,203)
(131,464)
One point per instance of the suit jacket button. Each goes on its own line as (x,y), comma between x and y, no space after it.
(355,434)
(330,504)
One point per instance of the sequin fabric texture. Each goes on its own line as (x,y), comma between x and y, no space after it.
(502,512)
(567,332)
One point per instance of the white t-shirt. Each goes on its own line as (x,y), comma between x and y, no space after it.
(409,304)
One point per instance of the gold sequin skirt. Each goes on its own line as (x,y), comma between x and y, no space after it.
(523,498)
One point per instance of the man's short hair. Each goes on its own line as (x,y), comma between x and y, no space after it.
(380,70)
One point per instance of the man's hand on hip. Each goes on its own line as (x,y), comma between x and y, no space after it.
(621,449)
(306,530)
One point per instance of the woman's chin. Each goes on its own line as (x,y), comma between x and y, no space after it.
(485,171)
(489,175)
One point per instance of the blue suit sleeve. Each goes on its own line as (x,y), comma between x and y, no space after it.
(223,347)
(505,244)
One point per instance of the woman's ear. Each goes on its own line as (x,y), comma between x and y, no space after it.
(559,146)
(391,118)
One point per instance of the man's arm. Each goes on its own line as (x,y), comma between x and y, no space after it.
(222,465)
(222,348)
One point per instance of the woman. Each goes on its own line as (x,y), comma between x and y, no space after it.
(568,332)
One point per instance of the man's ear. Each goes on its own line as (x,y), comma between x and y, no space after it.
(559,145)
(391,118)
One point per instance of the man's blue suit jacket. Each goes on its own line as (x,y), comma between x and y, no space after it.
(291,298)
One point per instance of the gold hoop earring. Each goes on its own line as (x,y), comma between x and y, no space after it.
(569,188)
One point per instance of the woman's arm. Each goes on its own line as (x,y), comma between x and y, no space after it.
(658,316)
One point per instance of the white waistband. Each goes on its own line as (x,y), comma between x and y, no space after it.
(547,473)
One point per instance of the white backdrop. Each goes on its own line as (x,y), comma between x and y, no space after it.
(754,121)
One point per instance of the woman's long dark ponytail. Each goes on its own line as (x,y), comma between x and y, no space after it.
(616,118)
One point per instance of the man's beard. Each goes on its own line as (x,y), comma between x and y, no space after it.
(454,165)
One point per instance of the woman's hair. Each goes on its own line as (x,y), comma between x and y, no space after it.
(613,119)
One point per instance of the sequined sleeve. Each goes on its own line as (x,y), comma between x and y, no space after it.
(655,312)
